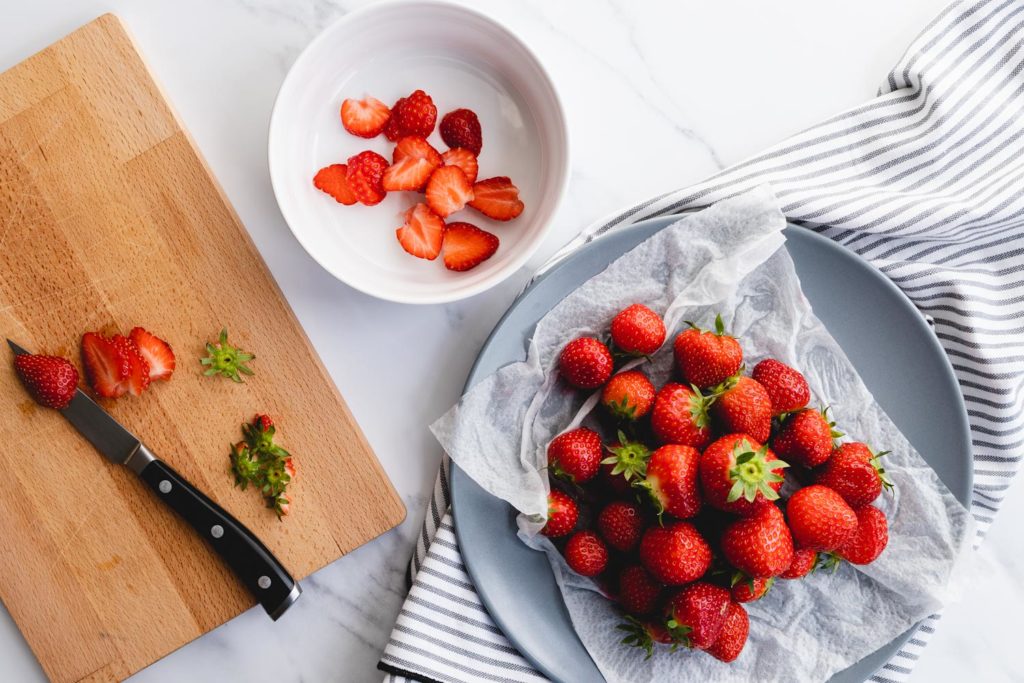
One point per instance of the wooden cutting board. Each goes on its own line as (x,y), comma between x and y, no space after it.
(110,218)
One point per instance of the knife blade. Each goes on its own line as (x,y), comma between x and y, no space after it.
(261,572)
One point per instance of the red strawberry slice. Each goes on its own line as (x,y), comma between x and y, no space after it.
(422,233)
(138,368)
(448,190)
(50,380)
(366,117)
(497,198)
(415,114)
(365,177)
(333,180)
(107,366)
(461,128)
(414,160)
(156,351)
(467,246)
(465,160)
(391,130)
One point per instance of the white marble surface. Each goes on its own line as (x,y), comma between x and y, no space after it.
(659,94)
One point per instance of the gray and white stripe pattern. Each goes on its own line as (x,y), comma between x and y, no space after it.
(925,181)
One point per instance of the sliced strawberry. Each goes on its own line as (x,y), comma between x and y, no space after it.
(497,198)
(108,368)
(415,147)
(332,180)
(467,246)
(464,159)
(391,130)
(413,161)
(366,117)
(448,190)
(138,368)
(422,233)
(461,128)
(156,351)
(365,177)
(415,114)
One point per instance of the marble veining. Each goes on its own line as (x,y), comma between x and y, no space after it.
(659,94)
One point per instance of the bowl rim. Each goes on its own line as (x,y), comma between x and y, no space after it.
(526,250)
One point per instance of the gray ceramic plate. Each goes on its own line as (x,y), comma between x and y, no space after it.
(886,339)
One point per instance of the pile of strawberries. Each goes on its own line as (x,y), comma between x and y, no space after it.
(683,513)
(448,181)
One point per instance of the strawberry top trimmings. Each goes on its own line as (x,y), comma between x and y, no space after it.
(226,360)
(259,461)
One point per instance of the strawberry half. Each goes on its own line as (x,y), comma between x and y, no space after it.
(465,160)
(106,365)
(415,114)
(467,246)
(333,180)
(422,233)
(365,177)
(156,351)
(448,190)
(413,162)
(497,198)
(461,128)
(50,380)
(366,117)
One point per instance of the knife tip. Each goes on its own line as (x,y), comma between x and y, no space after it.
(14,347)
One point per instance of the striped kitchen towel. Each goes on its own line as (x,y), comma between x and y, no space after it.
(925,181)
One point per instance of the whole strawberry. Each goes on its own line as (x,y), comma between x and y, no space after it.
(748,590)
(743,407)
(696,614)
(870,538)
(675,553)
(738,474)
(819,518)
(621,524)
(733,636)
(804,562)
(805,438)
(575,455)
(585,363)
(760,546)
(628,395)
(643,634)
(461,128)
(562,515)
(855,473)
(626,463)
(638,331)
(50,380)
(638,591)
(786,387)
(707,358)
(671,480)
(680,416)
(586,554)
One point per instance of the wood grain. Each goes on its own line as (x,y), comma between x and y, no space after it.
(109,218)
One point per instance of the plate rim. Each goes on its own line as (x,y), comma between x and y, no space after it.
(455,472)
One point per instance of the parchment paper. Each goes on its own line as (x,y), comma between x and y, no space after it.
(726,259)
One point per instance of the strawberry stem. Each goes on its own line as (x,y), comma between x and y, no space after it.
(226,360)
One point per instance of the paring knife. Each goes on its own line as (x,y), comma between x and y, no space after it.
(265,577)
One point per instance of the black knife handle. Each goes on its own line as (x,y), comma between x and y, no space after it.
(265,577)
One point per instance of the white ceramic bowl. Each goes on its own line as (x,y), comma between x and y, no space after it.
(461,58)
